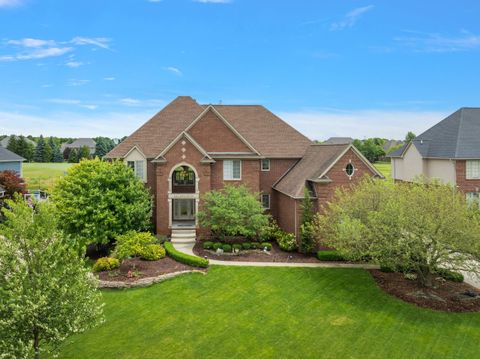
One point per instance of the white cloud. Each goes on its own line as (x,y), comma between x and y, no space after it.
(75,82)
(174,70)
(74,64)
(10,3)
(63,101)
(429,42)
(38,53)
(213,1)
(321,125)
(133,102)
(29,42)
(102,42)
(128,101)
(90,107)
(111,78)
(351,18)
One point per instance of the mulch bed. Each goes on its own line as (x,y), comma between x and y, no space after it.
(143,269)
(275,255)
(444,295)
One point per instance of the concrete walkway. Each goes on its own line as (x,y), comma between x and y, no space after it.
(187,248)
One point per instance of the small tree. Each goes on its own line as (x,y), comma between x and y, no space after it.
(46,292)
(97,200)
(72,155)
(83,153)
(233,211)
(417,227)
(39,150)
(307,240)
(409,136)
(48,151)
(13,144)
(12,183)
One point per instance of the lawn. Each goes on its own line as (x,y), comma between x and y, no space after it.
(253,312)
(385,168)
(43,175)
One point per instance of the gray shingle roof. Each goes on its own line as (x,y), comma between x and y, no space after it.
(457,136)
(338,141)
(6,140)
(9,156)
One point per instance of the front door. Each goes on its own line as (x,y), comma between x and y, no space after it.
(183,209)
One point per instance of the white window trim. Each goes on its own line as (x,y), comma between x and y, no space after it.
(232,179)
(261,165)
(269,200)
(467,171)
(144,168)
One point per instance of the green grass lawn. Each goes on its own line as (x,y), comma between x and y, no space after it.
(385,168)
(253,312)
(43,175)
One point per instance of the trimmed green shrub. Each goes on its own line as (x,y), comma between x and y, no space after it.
(237,246)
(269,232)
(227,248)
(207,245)
(185,258)
(161,239)
(386,269)
(132,244)
(450,275)
(331,255)
(246,245)
(217,245)
(307,234)
(152,252)
(267,245)
(106,263)
(287,242)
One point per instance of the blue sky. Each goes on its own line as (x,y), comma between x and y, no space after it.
(342,68)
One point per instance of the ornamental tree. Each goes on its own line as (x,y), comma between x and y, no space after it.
(96,201)
(46,292)
(12,183)
(419,227)
(233,211)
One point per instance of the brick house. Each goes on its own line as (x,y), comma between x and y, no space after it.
(188,149)
(448,151)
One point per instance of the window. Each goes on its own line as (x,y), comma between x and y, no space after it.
(232,170)
(265,165)
(183,176)
(473,198)
(137,167)
(266,201)
(473,169)
(349,170)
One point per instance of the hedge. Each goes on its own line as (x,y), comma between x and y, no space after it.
(185,258)
(330,256)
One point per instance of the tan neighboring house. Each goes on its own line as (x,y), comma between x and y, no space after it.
(188,149)
(448,151)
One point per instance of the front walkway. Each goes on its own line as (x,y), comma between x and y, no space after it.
(187,248)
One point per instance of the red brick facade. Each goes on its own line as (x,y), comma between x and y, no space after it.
(465,185)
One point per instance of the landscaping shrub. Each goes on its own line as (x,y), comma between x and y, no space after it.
(269,232)
(330,256)
(450,275)
(246,245)
(207,245)
(237,246)
(185,258)
(106,263)
(307,234)
(387,269)
(227,248)
(132,244)
(267,245)
(410,276)
(217,245)
(161,239)
(287,242)
(152,252)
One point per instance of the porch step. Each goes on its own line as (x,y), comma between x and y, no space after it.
(183,235)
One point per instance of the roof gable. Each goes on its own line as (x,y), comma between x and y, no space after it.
(184,136)
(9,156)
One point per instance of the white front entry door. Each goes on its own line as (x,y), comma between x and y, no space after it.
(183,209)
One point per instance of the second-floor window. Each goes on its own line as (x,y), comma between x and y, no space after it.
(265,165)
(137,167)
(232,170)
(473,169)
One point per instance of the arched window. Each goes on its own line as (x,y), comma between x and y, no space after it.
(183,176)
(349,170)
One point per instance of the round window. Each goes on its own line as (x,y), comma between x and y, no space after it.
(349,170)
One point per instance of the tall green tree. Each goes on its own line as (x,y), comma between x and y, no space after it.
(48,151)
(13,144)
(72,155)
(98,200)
(83,153)
(46,292)
(103,146)
(307,235)
(419,227)
(39,154)
(409,136)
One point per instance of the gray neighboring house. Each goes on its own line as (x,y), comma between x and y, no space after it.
(449,151)
(11,161)
(338,141)
(4,143)
(79,143)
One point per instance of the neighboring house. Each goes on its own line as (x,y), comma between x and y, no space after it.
(188,149)
(338,141)
(4,143)
(11,161)
(390,144)
(449,151)
(79,143)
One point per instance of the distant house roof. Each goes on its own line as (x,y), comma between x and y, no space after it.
(6,140)
(455,137)
(80,142)
(9,156)
(263,130)
(338,141)
(392,143)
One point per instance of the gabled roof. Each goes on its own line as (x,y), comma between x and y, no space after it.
(338,141)
(314,167)
(455,137)
(80,142)
(265,133)
(9,156)
(183,134)
(6,140)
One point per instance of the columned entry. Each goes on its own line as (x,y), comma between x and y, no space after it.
(183,196)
